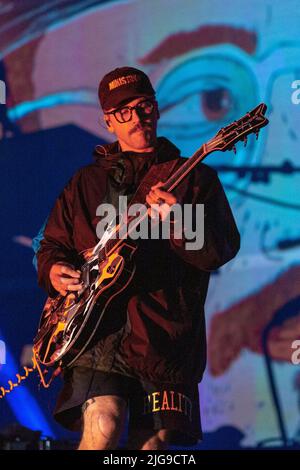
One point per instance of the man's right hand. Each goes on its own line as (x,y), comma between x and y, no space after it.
(64,278)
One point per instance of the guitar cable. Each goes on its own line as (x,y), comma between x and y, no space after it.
(27,370)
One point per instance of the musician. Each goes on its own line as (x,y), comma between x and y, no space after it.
(150,352)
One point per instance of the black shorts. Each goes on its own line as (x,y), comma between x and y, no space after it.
(151,406)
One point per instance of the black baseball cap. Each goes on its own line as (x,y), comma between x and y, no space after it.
(122,85)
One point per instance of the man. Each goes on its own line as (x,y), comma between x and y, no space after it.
(150,353)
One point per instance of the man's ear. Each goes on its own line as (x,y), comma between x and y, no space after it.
(108,124)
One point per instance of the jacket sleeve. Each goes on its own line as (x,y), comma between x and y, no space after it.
(221,237)
(57,242)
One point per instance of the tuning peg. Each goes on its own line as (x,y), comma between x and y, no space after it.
(256,133)
(245,140)
(234,149)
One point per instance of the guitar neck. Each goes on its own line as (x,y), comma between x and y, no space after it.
(225,139)
(182,172)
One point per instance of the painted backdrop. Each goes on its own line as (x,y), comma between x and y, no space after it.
(210,64)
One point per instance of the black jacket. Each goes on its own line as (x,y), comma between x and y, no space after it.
(157,331)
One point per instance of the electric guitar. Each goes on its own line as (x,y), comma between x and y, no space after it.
(68,325)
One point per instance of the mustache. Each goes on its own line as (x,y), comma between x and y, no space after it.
(141,127)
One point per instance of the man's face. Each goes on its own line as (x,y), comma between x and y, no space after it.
(139,132)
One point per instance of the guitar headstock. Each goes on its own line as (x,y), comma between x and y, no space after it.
(251,123)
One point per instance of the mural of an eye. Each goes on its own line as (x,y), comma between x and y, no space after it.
(196,115)
(202,93)
(215,103)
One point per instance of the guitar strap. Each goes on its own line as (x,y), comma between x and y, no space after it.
(157,172)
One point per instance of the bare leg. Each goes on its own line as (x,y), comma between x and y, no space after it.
(103,423)
(149,440)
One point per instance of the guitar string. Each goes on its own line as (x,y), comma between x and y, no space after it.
(210,145)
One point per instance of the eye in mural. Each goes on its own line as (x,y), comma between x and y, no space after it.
(203,93)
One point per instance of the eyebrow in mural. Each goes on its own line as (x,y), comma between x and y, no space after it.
(183,42)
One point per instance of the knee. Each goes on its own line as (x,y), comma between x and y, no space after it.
(108,424)
(101,430)
(103,421)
